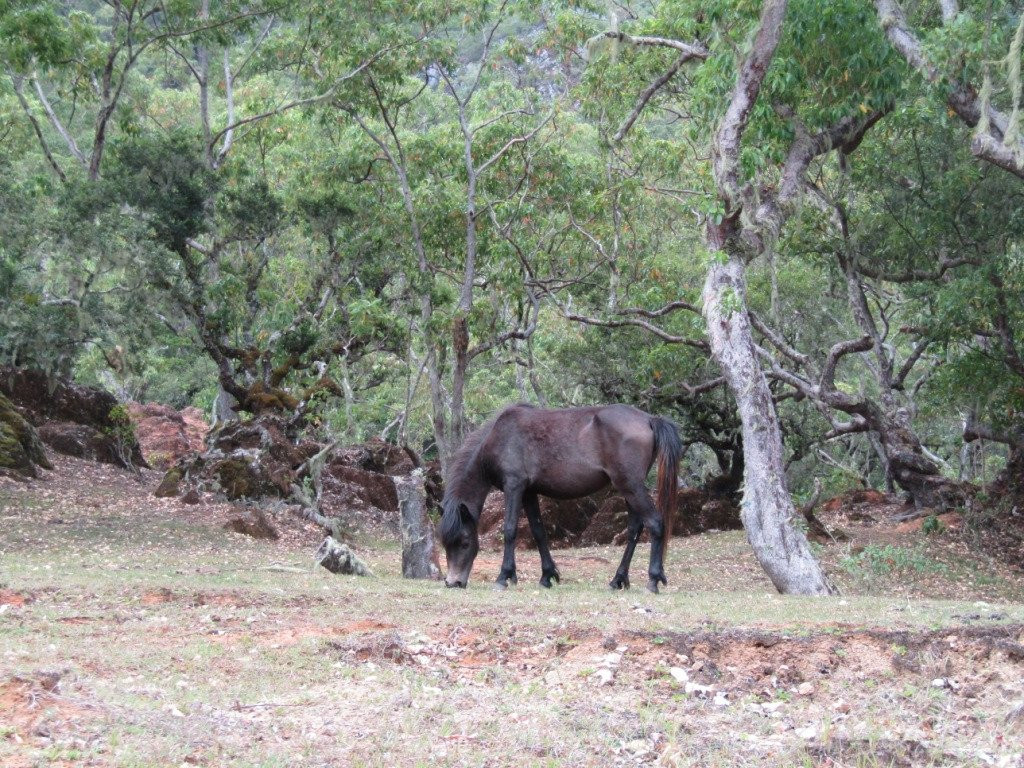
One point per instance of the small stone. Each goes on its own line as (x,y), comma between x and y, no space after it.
(638,747)
(721,699)
(810,732)
(841,706)
(806,689)
(697,688)
(679,674)
(603,677)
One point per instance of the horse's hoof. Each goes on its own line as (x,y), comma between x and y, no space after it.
(500,586)
(546,578)
(619,582)
(652,586)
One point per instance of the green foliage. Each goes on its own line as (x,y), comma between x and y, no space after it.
(932,524)
(885,559)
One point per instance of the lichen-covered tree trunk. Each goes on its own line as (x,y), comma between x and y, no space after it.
(767,509)
(419,549)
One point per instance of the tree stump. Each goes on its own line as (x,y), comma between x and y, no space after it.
(419,550)
(338,558)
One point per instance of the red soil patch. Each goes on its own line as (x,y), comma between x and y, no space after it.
(29,704)
(157,596)
(950,520)
(10,597)
(367,625)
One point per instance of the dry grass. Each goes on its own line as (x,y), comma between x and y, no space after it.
(136,632)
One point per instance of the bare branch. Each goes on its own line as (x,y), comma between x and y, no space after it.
(627,321)
(667,309)
(910,362)
(916,275)
(961,98)
(57,124)
(17,82)
(857,424)
(513,142)
(649,92)
(778,342)
(695,50)
(837,353)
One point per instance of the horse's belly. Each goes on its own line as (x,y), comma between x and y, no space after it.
(570,484)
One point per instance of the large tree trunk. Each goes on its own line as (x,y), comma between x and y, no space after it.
(767,509)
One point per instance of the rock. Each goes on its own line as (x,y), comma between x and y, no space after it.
(805,689)
(603,677)
(254,524)
(253,459)
(679,674)
(810,732)
(166,435)
(21,449)
(698,689)
(80,421)
(372,488)
(84,442)
(192,497)
(338,558)
(171,483)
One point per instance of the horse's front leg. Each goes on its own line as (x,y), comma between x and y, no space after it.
(513,503)
(548,570)
(633,530)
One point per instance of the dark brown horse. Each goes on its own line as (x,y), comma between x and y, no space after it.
(563,453)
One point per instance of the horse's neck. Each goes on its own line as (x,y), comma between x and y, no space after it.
(472,487)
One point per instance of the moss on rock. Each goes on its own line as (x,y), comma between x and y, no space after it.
(171,484)
(21,450)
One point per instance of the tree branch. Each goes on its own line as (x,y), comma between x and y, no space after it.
(653,88)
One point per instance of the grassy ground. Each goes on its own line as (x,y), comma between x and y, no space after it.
(137,632)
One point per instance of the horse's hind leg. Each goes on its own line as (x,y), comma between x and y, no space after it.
(643,514)
(513,502)
(547,564)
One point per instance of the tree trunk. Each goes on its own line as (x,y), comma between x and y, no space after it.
(419,550)
(767,509)
(460,350)
(916,474)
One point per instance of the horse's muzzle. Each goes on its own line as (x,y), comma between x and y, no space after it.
(455,584)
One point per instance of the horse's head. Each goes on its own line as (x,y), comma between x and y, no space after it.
(461,541)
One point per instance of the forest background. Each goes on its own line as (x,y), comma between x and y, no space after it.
(795,228)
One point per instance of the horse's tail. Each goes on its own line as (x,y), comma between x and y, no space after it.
(669,450)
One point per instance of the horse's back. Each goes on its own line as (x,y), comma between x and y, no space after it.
(568,452)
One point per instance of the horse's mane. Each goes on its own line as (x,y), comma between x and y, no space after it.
(460,474)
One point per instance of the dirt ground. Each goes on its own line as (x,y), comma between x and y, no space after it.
(136,631)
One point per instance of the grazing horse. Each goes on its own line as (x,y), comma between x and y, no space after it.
(563,453)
